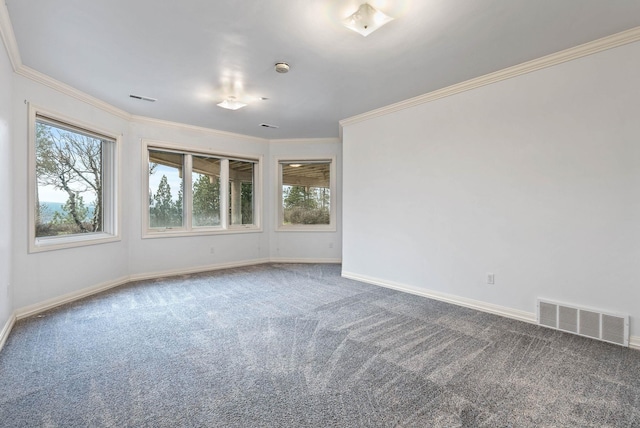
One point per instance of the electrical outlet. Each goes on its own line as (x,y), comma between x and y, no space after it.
(491,278)
(330,244)
(212,250)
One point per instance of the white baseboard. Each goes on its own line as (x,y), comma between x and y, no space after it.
(294,260)
(634,341)
(448,298)
(27,311)
(4,334)
(198,269)
(37,308)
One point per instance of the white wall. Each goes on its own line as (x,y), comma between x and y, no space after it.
(293,245)
(49,275)
(41,276)
(534,178)
(154,255)
(6,190)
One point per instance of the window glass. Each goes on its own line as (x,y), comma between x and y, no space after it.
(241,192)
(69,177)
(306,193)
(206,191)
(165,189)
(220,193)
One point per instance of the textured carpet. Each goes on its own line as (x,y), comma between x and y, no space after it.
(297,346)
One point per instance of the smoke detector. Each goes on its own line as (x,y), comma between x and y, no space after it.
(282,67)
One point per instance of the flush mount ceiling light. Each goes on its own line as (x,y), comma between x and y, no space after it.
(366,20)
(231,104)
(282,67)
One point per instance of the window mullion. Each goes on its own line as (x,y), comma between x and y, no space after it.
(187,192)
(281,196)
(224,193)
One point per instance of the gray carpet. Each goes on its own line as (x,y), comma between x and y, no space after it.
(299,346)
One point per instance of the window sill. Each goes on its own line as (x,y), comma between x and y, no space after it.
(62,242)
(177,233)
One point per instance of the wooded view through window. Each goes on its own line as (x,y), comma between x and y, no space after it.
(206,176)
(306,193)
(69,179)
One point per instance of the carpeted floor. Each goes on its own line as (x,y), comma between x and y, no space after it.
(299,346)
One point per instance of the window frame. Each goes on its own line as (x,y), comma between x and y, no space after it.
(110,185)
(187,228)
(279,214)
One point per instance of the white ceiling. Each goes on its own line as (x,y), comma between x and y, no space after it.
(190,53)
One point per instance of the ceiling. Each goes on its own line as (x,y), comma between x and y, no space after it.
(191,54)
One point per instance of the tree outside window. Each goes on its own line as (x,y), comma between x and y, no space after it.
(69,178)
(306,193)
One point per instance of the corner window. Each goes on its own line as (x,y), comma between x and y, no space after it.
(215,184)
(306,194)
(73,171)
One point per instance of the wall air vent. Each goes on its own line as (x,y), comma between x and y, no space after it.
(608,327)
(143,98)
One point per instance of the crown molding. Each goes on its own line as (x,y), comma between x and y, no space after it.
(8,37)
(605,43)
(52,83)
(330,140)
(194,128)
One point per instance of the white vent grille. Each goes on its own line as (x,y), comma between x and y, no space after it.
(590,324)
(548,314)
(568,319)
(613,328)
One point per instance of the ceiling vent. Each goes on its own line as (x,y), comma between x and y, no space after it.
(612,328)
(266,125)
(143,98)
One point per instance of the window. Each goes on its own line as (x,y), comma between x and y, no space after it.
(73,173)
(216,184)
(307,194)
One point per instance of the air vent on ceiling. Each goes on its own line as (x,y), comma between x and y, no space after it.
(608,327)
(143,98)
(266,125)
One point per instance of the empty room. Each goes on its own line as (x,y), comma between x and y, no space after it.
(269,213)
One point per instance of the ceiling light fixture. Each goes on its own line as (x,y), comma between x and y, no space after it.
(231,104)
(282,67)
(366,20)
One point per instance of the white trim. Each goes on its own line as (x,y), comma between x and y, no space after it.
(503,311)
(110,187)
(37,308)
(27,311)
(54,302)
(307,141)
(609,42)
(6,330)
(182,148)
(187,229)
(332,226)
(198,269)
(294,260)
(63,88)
(200,129)
(9,38)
